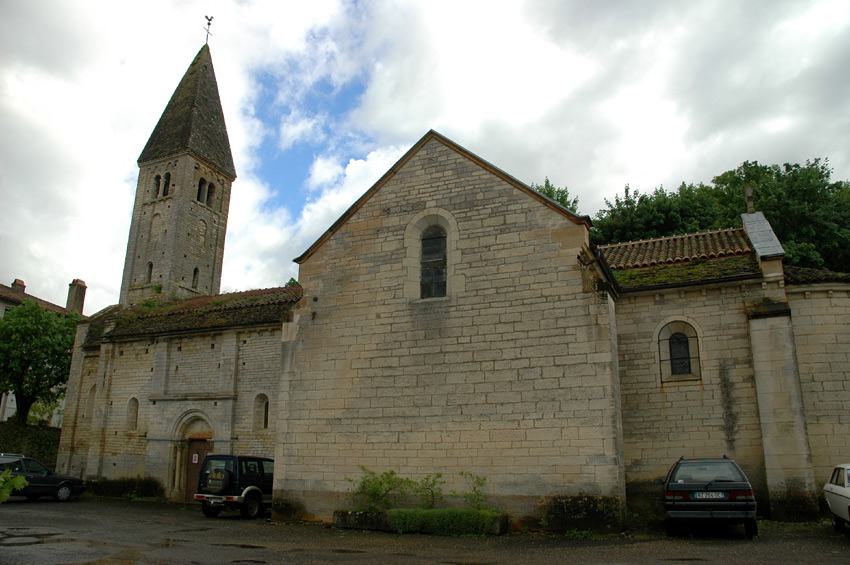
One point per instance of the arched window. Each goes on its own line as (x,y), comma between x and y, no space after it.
(210,194)
(89,412)
(149,274)
(261,412)
(132,414)
(157,183)
(433,274)
(195,278)
(678,352)
(166,184)
(202,185)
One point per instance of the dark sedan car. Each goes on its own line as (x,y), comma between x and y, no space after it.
(41,481)
(715,490)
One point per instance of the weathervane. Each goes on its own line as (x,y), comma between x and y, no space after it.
(209,23)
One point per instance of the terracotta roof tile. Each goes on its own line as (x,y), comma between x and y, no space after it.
(9,294)
(677,249)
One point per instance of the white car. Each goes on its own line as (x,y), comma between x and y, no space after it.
(837,492)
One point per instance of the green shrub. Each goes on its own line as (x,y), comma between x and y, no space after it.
(474,496)
(429,490)
(373,492)
(39,442)
(442,521)
(8,483)
(132,488)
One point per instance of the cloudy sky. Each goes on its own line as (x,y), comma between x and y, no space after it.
(322,97)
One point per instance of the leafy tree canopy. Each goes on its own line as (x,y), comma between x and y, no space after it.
(35,354)
(809,213)
(559,195)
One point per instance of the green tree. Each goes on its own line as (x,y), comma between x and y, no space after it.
(35,355)
(559,195)
(8,483)
(809,213)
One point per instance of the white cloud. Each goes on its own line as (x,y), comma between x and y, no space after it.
(295,127)
(324,171)
(589,95)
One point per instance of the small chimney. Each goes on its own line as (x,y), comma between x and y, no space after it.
(76,296)
(19,285)
(751,202)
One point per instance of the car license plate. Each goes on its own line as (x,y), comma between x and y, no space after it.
(215,499)
(712,495)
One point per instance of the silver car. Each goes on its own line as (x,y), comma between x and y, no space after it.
(837,492)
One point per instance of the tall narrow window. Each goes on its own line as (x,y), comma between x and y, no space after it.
(202,185)
(157,182)
(166,184)
(149,274)
(210,194)
(433,276)
(680,354)
(90,402)
(261,412)
(132,414)
(195,278)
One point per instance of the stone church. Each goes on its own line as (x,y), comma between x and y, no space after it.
(453,319)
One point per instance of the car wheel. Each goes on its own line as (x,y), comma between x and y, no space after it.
(751,528)
(671,528)
(251,507)
(210,511)
(64,493)
(837,523)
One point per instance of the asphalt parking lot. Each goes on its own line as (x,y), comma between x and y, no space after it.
(105,531)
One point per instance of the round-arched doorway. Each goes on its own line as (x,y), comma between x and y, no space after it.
(192,443)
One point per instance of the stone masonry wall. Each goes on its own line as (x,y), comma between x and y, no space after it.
(711,417)
(821,318)
(510,376)
(179,382)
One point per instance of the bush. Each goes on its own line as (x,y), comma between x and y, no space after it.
(372,492)
(443,521)
(474,496)
(429,490)
(132,488)
(8,483)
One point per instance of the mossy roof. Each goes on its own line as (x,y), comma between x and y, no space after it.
(204,313)
(193,120)
(681,260)
(802,275)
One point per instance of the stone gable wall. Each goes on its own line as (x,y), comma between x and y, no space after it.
(509,377)
(821,317)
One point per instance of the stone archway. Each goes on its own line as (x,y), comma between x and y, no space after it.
(191,445)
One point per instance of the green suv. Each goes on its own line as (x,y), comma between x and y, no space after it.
(235,482)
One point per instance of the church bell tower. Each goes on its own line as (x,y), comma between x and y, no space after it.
(176,243)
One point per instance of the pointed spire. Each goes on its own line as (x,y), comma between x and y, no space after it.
(193,120)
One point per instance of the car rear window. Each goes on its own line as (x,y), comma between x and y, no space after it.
(11,463)
(706,472)
(226,464)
